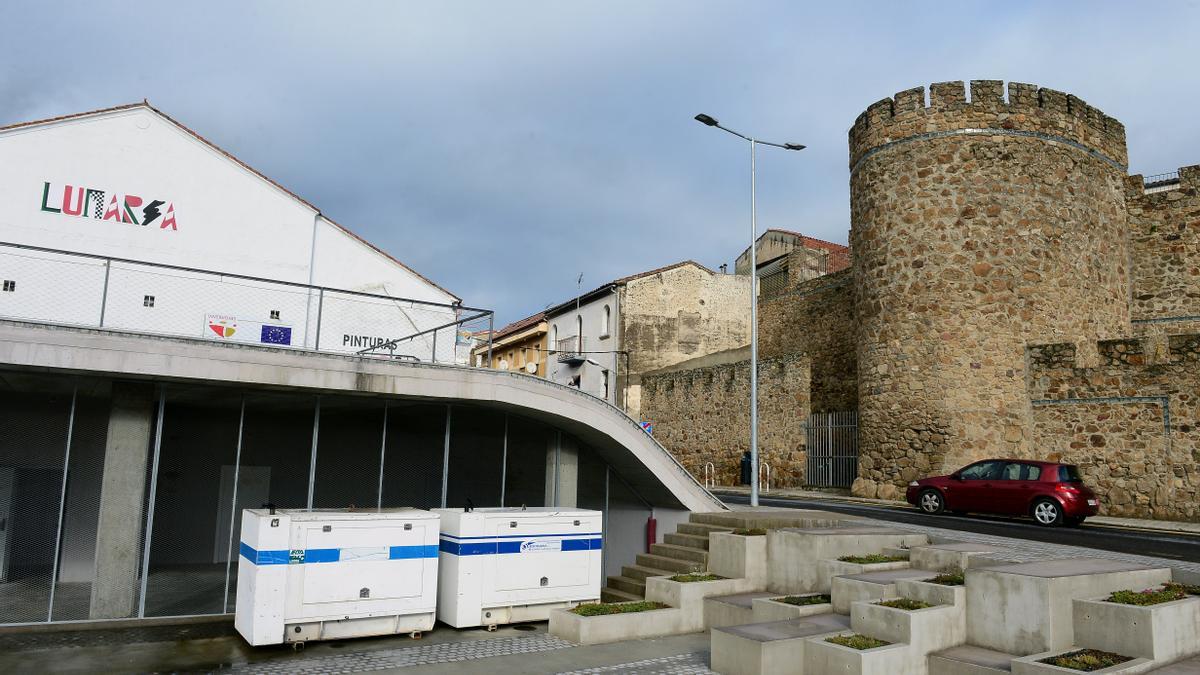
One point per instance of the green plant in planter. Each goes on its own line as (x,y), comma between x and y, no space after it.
(753,532)
(802,600)
(949,579)
(1190,589)
(695,576)
(1150,596)
(1087,660)
(872,559)
(904,603)
(605,608)
(857,641)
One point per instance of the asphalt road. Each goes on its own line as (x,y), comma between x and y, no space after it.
(1182,546)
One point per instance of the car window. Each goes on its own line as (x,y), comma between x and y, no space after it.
(982,471)
(1069,473)
(1021,471)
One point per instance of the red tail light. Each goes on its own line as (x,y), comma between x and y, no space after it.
(1068,487)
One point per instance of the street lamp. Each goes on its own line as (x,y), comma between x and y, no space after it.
(712,122)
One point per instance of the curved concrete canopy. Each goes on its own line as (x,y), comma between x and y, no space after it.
(648,468)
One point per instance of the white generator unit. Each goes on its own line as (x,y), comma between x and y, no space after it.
(328,574)
(505,565)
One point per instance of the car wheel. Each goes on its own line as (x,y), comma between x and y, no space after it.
(931,502)
(1074,522)
(1047,513)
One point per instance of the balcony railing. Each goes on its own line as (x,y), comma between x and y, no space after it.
(570,350)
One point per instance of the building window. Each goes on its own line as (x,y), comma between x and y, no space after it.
(576,381)
(605,319)
(604,384)
(274,315)
(10,286)
(553,336)
(148,301)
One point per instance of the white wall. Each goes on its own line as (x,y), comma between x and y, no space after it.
(226,219)
(593,341)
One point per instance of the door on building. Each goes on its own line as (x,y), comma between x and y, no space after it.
(253,490)
(7,483)
(974,490)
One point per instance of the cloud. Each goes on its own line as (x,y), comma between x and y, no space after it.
(504,148)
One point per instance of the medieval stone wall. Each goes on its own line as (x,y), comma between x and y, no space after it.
(816,317)
(1124,411)
(976,227)
(702,415)
(1164,230)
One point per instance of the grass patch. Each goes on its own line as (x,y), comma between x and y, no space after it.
(872,559)
(904,603)
(1087,660)
(857,641)
(753,532)
(949,579)
(605,608)
(802,600)
(695,576)
(1150,596)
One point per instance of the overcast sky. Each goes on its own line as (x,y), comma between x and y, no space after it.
(504,148)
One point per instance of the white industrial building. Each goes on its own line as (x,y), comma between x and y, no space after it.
(132,184)
(181,339)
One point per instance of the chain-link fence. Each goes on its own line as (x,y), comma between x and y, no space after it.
(60,287)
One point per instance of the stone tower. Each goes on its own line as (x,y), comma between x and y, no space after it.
(977,226)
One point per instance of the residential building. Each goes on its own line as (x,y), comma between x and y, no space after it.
(784,257)
(603,340)
(520,346)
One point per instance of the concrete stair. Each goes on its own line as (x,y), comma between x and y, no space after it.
(689,540)
(642,573)
(970,660)
(608,594)
(685,550)
(701,529)
(634,587)
(674,565)
(697,555)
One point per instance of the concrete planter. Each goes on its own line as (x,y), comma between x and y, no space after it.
(827,569)
(923,630)
(934,594)
(826,657)
(793,553)
(1029,665)
(1164,632)
(1036,615)
(591,630)
(738,557)
(767,609)
(949,557)
(689,597)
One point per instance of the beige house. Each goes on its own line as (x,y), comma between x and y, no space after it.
(519,346)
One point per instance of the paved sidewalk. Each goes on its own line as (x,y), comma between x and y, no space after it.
(800,493)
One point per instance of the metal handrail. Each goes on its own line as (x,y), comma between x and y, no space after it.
(1161,178)
(764,468)
(710,476)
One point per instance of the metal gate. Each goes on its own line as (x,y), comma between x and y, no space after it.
(832,442)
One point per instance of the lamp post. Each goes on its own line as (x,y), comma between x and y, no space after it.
(709,121)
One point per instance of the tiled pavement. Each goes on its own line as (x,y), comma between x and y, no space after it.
(681,664)
(385,659)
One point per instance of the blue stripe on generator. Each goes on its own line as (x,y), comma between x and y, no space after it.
(409,552)
(329,555)
(503,547)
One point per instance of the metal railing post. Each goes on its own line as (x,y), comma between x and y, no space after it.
(237,466)
(320,307)
(312,462)
(104,293)
(446,457)
(382,454)
(504,461)
(491,327)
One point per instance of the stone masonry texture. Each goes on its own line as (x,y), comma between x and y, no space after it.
(703,415)
(1011,293)
(967,246)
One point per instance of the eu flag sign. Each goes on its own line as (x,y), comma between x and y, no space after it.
(276,335)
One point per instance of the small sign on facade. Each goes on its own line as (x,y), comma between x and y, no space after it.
(648,427)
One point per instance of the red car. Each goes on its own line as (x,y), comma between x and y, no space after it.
(1051,493)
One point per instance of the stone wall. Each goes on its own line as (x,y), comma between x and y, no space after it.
(679,314)
(702,414)
(977,227)
(1125,412)
(1164,230)
(816,317)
